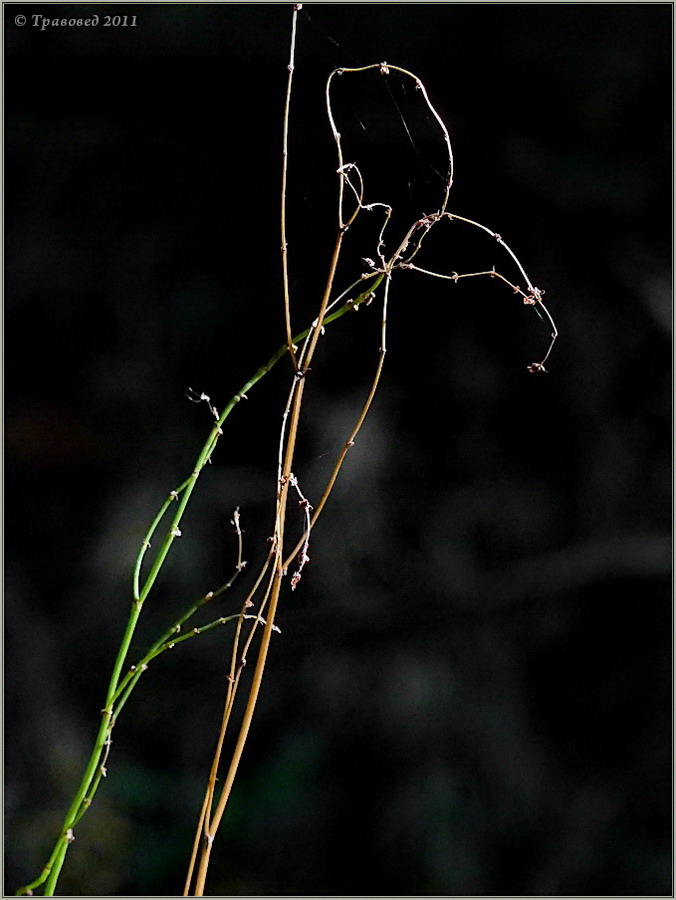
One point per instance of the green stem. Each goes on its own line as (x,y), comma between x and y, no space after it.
(58,856)
(118,692)
(151,531)
(188,486)
(167,642)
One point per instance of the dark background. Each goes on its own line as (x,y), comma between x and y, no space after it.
(471,693)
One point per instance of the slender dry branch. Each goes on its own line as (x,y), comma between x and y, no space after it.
(264,595)
(350,177)
(285,169)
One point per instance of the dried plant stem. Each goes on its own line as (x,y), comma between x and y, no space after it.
(347,446)
(50,873)
(410,244)
(211,824)
(117,696)
(285,168)
(272,573)
(196,843)
(385,69)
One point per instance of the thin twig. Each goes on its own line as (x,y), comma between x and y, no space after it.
(285,168)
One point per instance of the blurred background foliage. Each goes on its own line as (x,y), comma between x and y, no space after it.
(471,693)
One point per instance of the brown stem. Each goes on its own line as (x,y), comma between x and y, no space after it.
(210,832)
(285,166)
(349,443)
